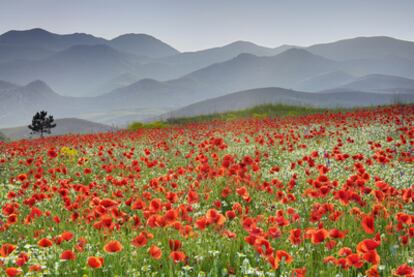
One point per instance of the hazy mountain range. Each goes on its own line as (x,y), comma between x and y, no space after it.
(136,76)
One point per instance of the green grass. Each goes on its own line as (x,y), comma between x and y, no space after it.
(260,112)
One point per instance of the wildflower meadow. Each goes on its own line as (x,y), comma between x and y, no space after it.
(325,194)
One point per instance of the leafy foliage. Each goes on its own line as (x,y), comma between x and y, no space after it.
(42,124)
(152,125)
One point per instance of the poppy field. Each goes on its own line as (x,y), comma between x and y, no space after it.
(327,194)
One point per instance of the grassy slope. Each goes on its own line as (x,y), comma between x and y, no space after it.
(258,111)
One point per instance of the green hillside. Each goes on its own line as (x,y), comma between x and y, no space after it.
(261,111)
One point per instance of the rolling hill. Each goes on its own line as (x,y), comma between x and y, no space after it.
(381,83)
(42,39)
(364,48)
(368,83)
(251,98)
(142,45)
(64,126)
(325,81)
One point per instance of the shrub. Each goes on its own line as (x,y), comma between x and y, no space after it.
(151,125)
(135,126)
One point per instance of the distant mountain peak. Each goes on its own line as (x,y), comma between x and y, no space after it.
(38,85)
(13,35)
(370,38)
(134,36)
(143,44)
(296,51)
(242,43)
(147,83)
(383,77)
(364,47)
(34,30)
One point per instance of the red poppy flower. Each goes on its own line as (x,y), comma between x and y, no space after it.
(139,241)
(68,255)
(155,252)
(372,271)
(13,271)
(213,216)
(368,224)
(177,256)
(22,259)
(371,257)
(299,272)
(12,219)
(45,242)
(52,153)
(201,223)
(282,255)
(113,246)
(337,234)
(367,245)
(95,262)
(22,177)
(345,251)
(67,236)
(6,249)
(404,270)
(330,244)
(279,256)
(35,268)
(192,197)
(354,260)
(295,236)
(319,236)
(156,205)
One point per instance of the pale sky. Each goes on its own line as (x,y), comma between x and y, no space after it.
(198,24)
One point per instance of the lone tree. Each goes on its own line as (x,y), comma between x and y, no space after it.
(42,124)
